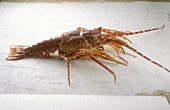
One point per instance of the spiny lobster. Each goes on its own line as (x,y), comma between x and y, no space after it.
(82,43)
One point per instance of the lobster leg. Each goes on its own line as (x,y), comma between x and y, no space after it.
(130,54)
(106,56)
(94,59)
(67,64)
(68,67)
(118,48)
(121,57)
(103,55)
(84,52)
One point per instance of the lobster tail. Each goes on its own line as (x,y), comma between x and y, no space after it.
(40,49)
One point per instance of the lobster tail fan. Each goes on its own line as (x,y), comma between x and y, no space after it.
(16,52)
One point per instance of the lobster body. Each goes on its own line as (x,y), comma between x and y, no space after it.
(82,43)
(67,43)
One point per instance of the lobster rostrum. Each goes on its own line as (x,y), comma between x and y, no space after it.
(82,43)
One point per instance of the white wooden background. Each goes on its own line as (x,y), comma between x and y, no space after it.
(29,23)
(82,102)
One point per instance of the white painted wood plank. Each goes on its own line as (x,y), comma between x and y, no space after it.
(82,102)
(29,23)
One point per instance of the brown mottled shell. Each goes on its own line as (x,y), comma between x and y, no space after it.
(75,40)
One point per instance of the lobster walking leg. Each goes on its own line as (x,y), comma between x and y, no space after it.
(106,56)
(94,59)
(68,66)
(84,52)
(130,54)
(91,55)
(119,48)
(121,57)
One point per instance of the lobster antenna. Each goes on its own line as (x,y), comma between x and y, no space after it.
(139,32)
(131,48)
